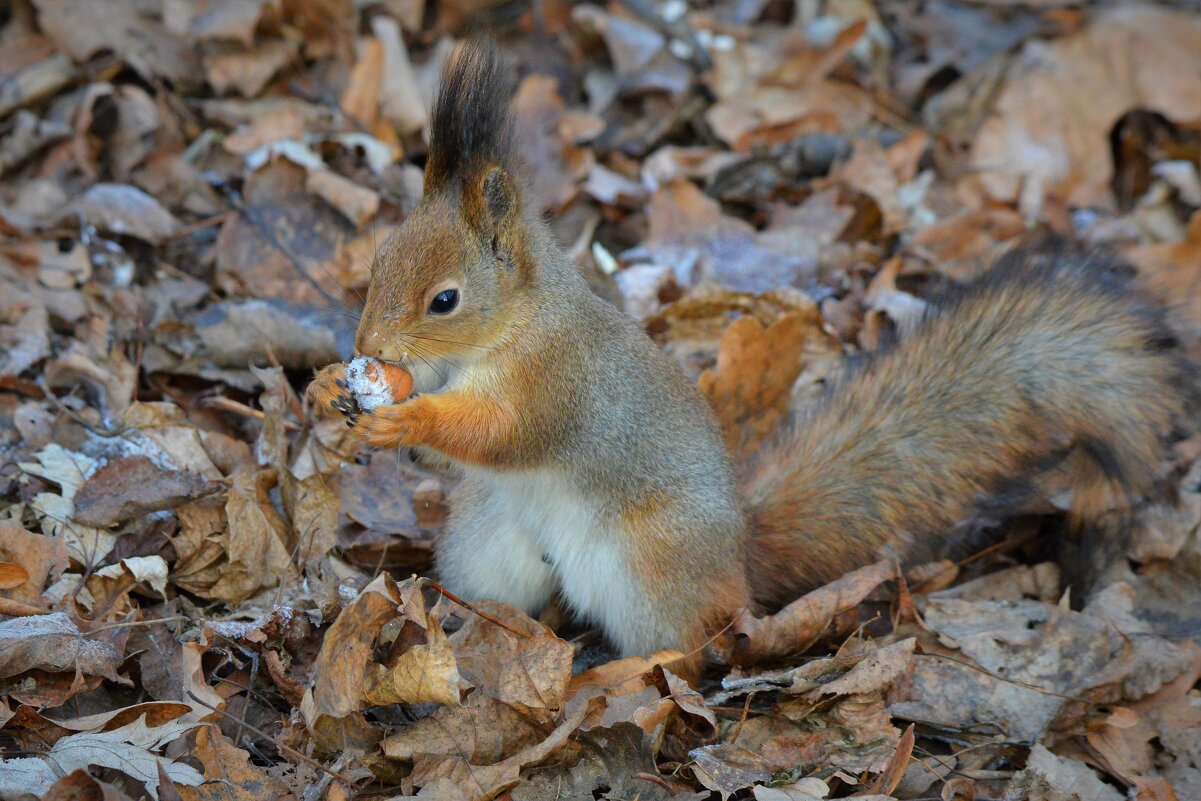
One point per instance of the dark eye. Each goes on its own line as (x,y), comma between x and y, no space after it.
(444,302)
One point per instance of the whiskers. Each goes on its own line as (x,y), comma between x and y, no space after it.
(429,357)
(450,342)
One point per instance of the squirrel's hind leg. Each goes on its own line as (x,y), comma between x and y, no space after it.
(483,555)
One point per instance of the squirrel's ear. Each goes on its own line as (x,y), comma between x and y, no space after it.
(499,194)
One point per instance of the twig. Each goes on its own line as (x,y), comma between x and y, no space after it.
(234,407)
(653,779)
(1004,545)
(281,746)
(450,596)
(200,225)
(1034,687)
(746,708)
(137,624)
(107,433)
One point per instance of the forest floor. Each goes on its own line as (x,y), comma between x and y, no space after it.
(206,594)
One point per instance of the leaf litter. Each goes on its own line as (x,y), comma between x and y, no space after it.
(205,593)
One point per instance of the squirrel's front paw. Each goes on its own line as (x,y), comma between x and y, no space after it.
(388,426)
(329,394)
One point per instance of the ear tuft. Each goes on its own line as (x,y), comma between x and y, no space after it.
(470,125)
(500,196)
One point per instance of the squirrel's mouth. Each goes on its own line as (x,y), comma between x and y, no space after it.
(430,373)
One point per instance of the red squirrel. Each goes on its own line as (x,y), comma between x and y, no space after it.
(593,469)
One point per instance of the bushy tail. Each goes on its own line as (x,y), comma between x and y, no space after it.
(1050,354)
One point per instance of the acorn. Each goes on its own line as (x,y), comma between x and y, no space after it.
(374,383)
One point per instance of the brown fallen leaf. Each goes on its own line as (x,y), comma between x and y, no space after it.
(314,517)
(751,385)
(79,785)
(779,79)
(799,624)
(12,575)
(356,203)
(726,769)
(360,98)
(248,70)
(232,20)
(421,667)
(126,211)
(34,726)
(529,674)
(616,757)
(690,232)
(690,329)
(126,142)
(1037,138)
(621,676)
(881,173)
(24,330)
(1067,777)
(400,100)
(229,774)
(277,246)
(53,643)
(131,749)
(38,557)
(962,246)
(558,164)
(887,781)
(482,782)
(131,487)
(274,126)
(258,545)
(140,38)
(482,731)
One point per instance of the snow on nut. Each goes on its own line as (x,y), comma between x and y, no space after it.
(374,383)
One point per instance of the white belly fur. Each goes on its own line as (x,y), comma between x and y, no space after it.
(580,542)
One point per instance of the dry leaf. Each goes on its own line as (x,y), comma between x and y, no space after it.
(38,557)
(726,769)
(276,249)
(116,25)
(126,211)
(132,487)
(360,98)
(400,100)
(53,643)
(221,20)
(483,782)
(358,204)
(417,671)
(799,624)
(258,548)
(1039,138)
(129,749)
(247,71)
(12,575)
(751,386)
(228,772)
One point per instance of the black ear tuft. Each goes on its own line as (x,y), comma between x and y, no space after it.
(499,194)
(470,127)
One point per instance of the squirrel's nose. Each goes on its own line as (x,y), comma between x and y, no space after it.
(369,342)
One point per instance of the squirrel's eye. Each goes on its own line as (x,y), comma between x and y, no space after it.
(444,302)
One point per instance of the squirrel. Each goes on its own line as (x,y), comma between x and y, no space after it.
(594,471)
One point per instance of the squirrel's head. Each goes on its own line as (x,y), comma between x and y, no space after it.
(447,283)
